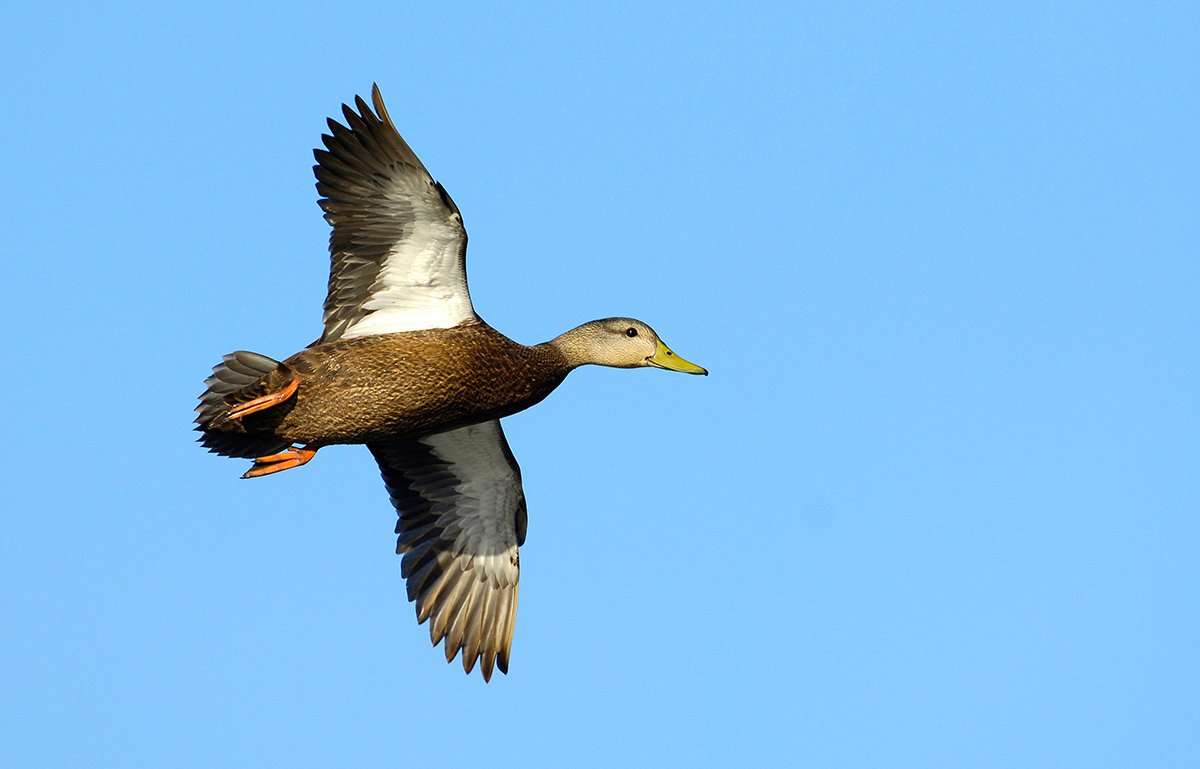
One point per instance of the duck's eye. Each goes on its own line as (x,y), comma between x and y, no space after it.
(631,332)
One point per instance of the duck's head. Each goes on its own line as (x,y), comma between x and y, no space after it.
(620,342)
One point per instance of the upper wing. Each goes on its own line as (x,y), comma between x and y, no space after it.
(398,245)
(462,516)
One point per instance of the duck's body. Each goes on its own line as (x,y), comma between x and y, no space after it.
(405,366)
(410,384)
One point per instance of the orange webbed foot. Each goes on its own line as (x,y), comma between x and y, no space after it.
(265,401)
(277,463)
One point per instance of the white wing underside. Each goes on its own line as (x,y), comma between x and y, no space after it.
(398,245)
(419,287)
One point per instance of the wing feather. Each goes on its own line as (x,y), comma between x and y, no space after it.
(461,519)
(398,246)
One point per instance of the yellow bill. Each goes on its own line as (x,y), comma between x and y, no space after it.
(663,357)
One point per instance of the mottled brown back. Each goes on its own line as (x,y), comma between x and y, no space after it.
(408,384)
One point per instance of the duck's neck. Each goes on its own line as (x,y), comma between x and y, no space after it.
(573,347)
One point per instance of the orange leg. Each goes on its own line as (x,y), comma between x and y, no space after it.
(265,401)
(277,463)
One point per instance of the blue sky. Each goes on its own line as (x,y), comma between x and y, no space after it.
(935,507)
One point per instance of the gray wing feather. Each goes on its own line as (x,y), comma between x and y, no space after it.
(461,520)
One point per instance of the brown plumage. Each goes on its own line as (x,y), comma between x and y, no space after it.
(400,385)
(405,366)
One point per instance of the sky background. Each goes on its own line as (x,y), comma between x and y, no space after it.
(936,506)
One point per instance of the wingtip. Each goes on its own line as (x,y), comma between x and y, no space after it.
(380,107)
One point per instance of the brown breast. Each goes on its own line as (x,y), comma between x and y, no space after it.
(414,383)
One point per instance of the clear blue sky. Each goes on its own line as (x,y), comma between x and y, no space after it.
(935,507)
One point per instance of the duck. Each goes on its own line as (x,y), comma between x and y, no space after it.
(405,366)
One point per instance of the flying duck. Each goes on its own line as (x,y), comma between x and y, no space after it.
(406,366)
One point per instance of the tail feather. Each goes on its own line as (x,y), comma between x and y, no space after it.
(239,377)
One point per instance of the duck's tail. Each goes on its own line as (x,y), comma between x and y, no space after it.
(244,383)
